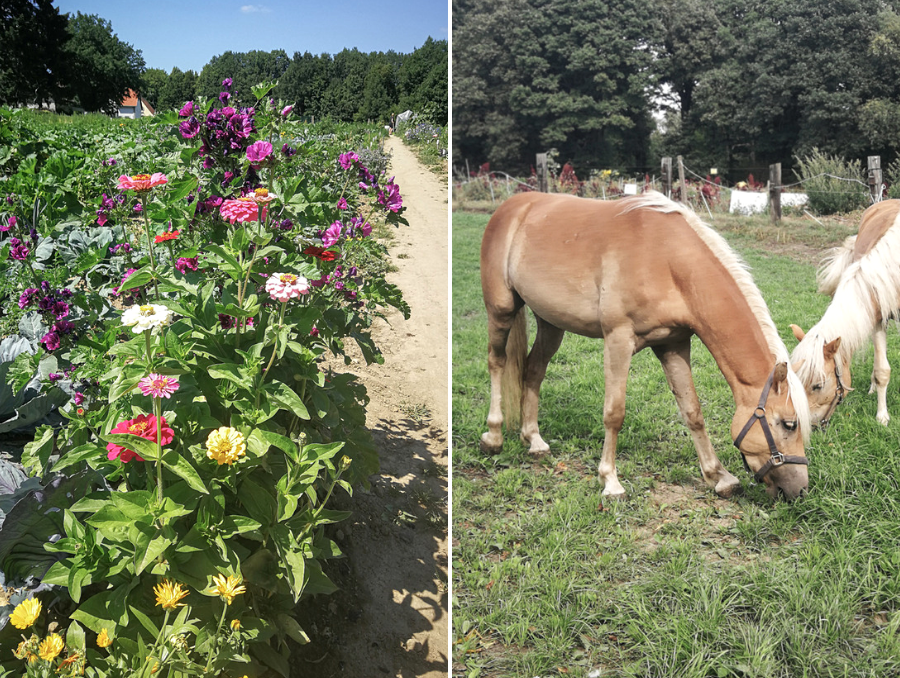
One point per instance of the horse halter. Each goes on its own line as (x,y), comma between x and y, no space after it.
(839,396)
(776,458)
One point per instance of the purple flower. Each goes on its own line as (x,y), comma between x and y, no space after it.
(342,204)
(63,327)
(184,264)
(347,159)
(54,377)
(138,208)
(78,398)
(27,297)
(314,332)
(50,341)
(187,109)
(226,83)
(339,285)
(19,252)
(60,309)
(286,110)
(390,197)
(333,234)
(240,125)
(189,128)
(365,229)
(286,225)
(224,97)
(288,151)
(257,152)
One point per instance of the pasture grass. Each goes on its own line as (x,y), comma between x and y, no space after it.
(673,581)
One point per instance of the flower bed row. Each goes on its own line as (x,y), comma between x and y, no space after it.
(172,324)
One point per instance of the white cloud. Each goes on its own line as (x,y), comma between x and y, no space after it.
(253,9)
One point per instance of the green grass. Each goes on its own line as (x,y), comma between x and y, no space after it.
(674,581)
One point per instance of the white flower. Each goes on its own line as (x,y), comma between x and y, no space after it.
(147,317)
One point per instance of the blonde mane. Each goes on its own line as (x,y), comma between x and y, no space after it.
(867,288)
(740,272)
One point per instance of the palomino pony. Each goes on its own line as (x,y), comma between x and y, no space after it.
(640,272)
(863,278)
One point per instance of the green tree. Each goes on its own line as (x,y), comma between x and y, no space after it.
(32,61)
(245,69)
(103,67)
(305,83)
(423,80)
(154,81)
(180,87)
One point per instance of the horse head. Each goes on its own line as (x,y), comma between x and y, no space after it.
(826,383)
(771,437)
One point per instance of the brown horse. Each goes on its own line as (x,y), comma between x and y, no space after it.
(641,272)
(863,278)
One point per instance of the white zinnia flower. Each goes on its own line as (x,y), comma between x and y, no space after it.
(147,317)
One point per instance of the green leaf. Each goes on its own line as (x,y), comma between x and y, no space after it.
(37,453)
(79,454)
(230,264)
(292,558)
(283,395)
(258,501)
(231,372)
(145,621)
(122,386)
(154,549)
(184,470)
(145,448)
(139,278)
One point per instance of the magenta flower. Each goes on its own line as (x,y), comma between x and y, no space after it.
(101,220)
(347,159)
(286,286)
(189,128)
(19,252)
(258,152)
(390,197)
(7,226)
(286,110)
(186,264)
(342,204)
(78,398)
(50,341)
(158,386)
(187,109)
(227,82)
(333,234)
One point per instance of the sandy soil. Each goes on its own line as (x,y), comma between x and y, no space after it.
(390,616)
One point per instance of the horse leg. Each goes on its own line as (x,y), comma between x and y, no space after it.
(546,344)
(500,322)
(881,373)
(676,363)
(618,347)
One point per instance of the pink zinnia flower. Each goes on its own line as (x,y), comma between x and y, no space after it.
(158,386)
(141,182)
(257,153)
(286,286)
(333,234)
(242,210)
(144,425)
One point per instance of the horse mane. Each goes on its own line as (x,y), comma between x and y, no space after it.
(833,266)
(867,288)
(740,273)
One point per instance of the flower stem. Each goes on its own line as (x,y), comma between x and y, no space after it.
(212,645)
(262,376)
(149,244)
(157,407)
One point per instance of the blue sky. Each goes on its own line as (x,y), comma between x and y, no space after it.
(188,33)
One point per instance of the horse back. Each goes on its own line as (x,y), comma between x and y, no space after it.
(876,221)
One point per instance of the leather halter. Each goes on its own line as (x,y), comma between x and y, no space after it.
(839,395)
(759,414)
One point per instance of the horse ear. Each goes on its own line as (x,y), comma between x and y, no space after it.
(831,348)
(798,332)
(780,379)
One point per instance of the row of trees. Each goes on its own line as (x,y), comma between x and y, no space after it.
(47,56)
(78,61)
(348,86)
(731,83)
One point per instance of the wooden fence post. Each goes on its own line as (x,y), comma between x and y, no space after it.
(680,161)
(541,163)
(667,177)
(875,177)
(775,192)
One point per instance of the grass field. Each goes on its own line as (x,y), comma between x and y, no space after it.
(674,581)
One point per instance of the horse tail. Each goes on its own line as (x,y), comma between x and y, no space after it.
(833,266)
(513,380)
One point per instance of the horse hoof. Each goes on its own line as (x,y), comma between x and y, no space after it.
(614,496)
(883,418)
(488,446)
(726,490)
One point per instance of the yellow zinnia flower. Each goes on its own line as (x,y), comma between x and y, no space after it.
(26,613)
(225,445)
(103,640)
(228,587)
(51,646)
(168,595)
(235,624)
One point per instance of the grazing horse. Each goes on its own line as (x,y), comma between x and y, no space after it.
(863,278)
(640,272)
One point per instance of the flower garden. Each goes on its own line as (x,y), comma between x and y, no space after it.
(177,298)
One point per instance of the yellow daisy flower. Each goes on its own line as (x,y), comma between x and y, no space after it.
(235,624)
(51,646)
(26,613)
(225,445)
(168,595)
(103,640)
(228,587)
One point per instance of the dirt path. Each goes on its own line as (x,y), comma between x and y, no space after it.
(390,616)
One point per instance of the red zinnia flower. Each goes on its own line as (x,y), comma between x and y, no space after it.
(143,425)
(168,235)
(321,253)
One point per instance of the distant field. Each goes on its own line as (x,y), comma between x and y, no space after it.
(674,581)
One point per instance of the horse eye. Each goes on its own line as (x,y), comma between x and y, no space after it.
(790,425)
(817,387)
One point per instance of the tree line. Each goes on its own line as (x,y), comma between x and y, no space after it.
(348,86)
(77,61)
(620,83)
